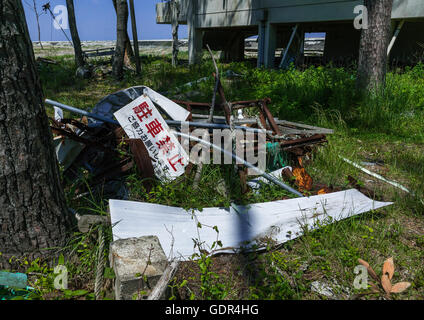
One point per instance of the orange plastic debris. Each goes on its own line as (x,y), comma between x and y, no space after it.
(300,160)
(303,179)
(322,191)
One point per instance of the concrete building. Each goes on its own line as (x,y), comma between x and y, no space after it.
(225,24)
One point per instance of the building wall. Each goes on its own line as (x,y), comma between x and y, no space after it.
(236,13)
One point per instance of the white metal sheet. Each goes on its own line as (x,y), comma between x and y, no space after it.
(174,111)
(280,220)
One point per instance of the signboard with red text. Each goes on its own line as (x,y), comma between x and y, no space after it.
(141,120)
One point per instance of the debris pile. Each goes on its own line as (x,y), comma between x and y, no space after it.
(287,142)
(95,151)
(107,149)
(92,155)
(132,129)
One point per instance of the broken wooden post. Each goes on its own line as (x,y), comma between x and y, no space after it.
(159,291)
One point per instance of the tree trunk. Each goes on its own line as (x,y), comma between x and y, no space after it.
(79,57)
(121,27)
(175,46)
(37,18)
(375,40)
(33,213)
(129,54)
(135,37)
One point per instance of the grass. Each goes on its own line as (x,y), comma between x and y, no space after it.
(387,128)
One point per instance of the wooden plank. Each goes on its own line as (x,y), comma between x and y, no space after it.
(287,130)
(99,52)
(301,125)
(287,126)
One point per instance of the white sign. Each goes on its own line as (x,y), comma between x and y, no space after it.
(141,120)
(61,19)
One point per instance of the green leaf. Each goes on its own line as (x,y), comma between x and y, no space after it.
(78,293)
(90,296)
(109,273)
(61,260)
(67,293)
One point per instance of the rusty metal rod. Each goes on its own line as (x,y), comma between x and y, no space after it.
(169,122)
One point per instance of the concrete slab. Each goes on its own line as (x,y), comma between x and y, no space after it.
(138,263)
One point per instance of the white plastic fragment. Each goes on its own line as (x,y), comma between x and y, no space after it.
(331,290)
(255,184)
(322,289)
(58,114)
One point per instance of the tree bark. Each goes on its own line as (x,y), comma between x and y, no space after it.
(129,54)
(33,212)
(375,40)
(79,57)
(37,18)
(121,27)
(135,37)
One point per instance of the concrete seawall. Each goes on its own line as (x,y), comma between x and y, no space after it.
(311,44)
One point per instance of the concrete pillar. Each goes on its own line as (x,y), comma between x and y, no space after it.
(261,43)
(267,44)
(270,45)
(195,46)
(195,36)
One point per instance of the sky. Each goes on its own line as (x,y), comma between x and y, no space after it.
(96,20)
